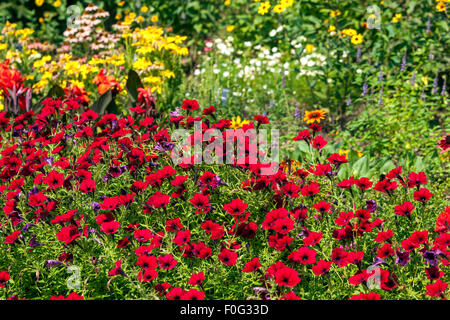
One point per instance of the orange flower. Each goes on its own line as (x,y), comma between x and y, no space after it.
(105,83)
(314,116)
(9,78)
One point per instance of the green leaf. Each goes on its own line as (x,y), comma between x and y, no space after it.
(133,83)
(56,92)
(103,102)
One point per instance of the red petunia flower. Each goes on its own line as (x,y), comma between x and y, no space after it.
(235,207)
(422,195)
(437,288)
(228,257)
(4,278)
(196,279)
(322,267)
(167,262)
(252,266)
(287,277)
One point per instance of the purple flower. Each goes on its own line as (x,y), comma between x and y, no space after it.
(52,263)
(96,206)
(402,258)
(379,261)
(164,146)
(371,206)
(34,243)
(27,227)
(365,87)
(49,160)
(403,65)
(175,113)
(430,257)
(297,113)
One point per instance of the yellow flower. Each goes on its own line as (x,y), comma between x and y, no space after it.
(440,6)
(227,2)
(290,166)
(121,3)
(230,28)
(287,3)
(344,152)
(154,18)
(314,116)
(424,80)
(144,9)
(39,2)
(309,48)
(264,7)
(397,17)
(278,8)
(140,19)
(238,123)
(335,13)
(57,3)
(357,39)
(331,28)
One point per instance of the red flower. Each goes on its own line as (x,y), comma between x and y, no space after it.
(167,262)
(383,236)
(322,206)
(366,296)
(322,267)
(68,234)
(142,235)
(190,105)
(147,275)
(228,257)
(319,142)
(193,294)
(174,225)
(261,119)
(416,179)
(12,237)
(291,190)
(283,226)
(437,288)
(337,159)
(200,202)
(302,135)
(443,221)
(422,195)
(252,266)
(54,179)
(175,294)
(394,173)
(196,279)
(208,111)
(386,186)
(235,207)
(290,296)
(158,200)
(287,277)
(310,190)
(344,218)
(146,262)
(4,278)
(182,237)
(303,255)
(339,256)
(363,183)
(404,209)
(385,251)
(110,227)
